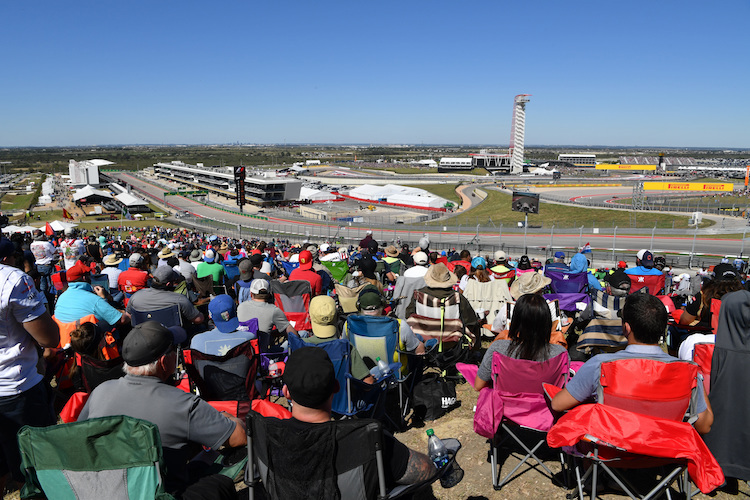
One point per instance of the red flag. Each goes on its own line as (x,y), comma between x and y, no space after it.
(66,215)
(48,229)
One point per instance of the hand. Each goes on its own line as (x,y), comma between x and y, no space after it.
(101,292)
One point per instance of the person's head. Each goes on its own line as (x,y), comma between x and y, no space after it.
(420,259)
(500,257)
(111,260)
(424,243)
(223,312)
(85,339)
(367,266)
(259,289)
(439,276)
(391,251)
(465,255)
(460,272)
(639,256)
(560,256)
(524,263)
(196,255)
(647,260)
(645,318)
(310,379)
(149,350)
(530,326)
(529,283)
(165,278)
(370,302)
(209,256)
(305,259)
(323,316)
(136,260)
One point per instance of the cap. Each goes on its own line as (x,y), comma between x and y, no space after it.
(265,268)
(325,247)
(135,260)
(69,231)
(725,271)
(246,269)
(224,313)
(165,274)
(478,262)
(370,298)
(309,376)
(259,286)
(209,256)
(323,316)
(420,258)
(647,260)
(641,253)
(500,255)
(78,271)
(256,259)
(305,259)
(622,265)
(150,340)
(559,255)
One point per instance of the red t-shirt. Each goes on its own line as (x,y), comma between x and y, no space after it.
(132,280)
(316,282)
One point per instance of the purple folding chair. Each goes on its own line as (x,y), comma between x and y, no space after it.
(567,288)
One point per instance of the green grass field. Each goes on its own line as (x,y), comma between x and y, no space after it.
(496,210)
(13,201)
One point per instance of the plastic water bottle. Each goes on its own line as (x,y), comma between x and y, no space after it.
(438,453)
(375,372)
(436,450)
(383,366)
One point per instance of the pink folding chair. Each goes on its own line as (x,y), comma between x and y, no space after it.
(516,402)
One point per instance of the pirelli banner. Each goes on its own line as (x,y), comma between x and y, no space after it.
(689,186)
(610,166)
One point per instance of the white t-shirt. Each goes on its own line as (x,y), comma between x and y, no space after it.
(44,252)
(19,302)
(71,250)
(687,346)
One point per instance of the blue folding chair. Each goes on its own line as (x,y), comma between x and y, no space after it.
(168,316)
(289,267)
(231,270)
(354,397)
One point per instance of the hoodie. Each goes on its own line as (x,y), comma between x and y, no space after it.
(579,264)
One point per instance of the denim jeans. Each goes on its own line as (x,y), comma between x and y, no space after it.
(45,277)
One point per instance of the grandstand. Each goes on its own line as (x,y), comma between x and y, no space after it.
(654,160)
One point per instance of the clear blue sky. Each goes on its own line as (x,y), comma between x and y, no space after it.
(656,73)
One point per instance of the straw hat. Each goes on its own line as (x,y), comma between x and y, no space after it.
(438,276)
(528,283)
(166,253)
(112,260)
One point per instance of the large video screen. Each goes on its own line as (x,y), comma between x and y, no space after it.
(523,201)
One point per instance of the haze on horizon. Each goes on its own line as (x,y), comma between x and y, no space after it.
(646,74)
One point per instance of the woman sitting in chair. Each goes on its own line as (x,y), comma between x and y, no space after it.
(529,337)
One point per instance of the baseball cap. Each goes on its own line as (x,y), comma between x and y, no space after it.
(641,253)
(150,340)
(370,298)
(559,255)
(305,259)
(725,271)
(647,260)
(309,376)
(478,262)
(224,313)
(420,258)
(246,269)
(165,274)
(259,286)
(209,256)
(323,316)
(500,255)
(265,268)
(325,247)
(256,259)
(622,265)
(78,271)
(135,259)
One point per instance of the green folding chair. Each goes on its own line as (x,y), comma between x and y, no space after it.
(115,457)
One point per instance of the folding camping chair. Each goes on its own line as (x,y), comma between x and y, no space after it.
(703,354)
(567,288)
(101,280)
(355,397)
(517,390)
(92,371)
(339,269)
(293,298)
(653,389)
(347,297)
(229,378)
(378,337)
(490,297)
(654,284)
(167,316)
(403,292)
(349,460)
(108,457)
(204,286)
(289,267)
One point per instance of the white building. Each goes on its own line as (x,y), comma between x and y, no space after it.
(583,160)
(86,172)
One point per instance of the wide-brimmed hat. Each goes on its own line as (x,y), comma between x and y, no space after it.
(166,253)
(111,260)
(528,283)
(196,255)
(439,276)
(391,251)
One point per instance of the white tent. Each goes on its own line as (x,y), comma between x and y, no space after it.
(315,195)
(10,229)
(88,191)
(418,201)
(59,225)
(18,229)
(129,200)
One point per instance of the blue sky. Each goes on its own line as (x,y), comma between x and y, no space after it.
(639,73)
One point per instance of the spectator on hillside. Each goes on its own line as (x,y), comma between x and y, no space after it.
(579,264)
(135,277)
(644,265)
(267,314)
(81,300)
(305,273)
(209,267)
(419,269)
(558,264)
(227,332)
(161,295)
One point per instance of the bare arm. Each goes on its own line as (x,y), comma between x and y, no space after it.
(290,330)
(564,401)
(419,468)
(44,330)
(480,384)
(706,418)
(239,435)
(686,318)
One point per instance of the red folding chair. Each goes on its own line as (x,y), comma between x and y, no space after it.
(293,298)
(703,354)
(654,283)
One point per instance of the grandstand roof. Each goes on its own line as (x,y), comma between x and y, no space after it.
(129,200)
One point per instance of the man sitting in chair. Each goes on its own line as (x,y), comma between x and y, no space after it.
(161,295)
(310,383)
(644,321)
(183,419)
(372,303)
(227,334)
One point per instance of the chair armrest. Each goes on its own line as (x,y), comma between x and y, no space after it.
(551,390)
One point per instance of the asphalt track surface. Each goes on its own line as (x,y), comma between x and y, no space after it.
(706,245)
